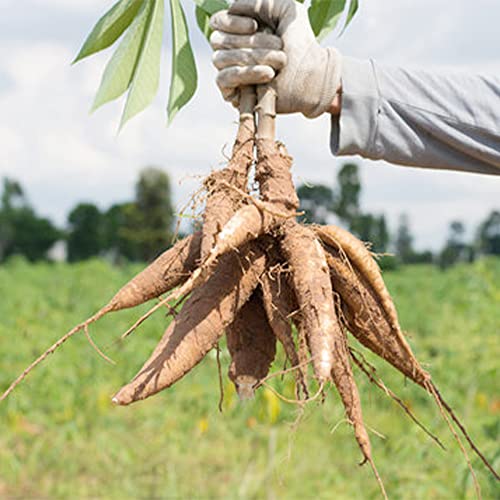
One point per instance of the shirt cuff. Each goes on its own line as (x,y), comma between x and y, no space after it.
(354,131)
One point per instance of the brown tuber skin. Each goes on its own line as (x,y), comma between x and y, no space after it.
(356,252)
(199,325)
(367,320)
(279,200)
(252,345)
(222,201)
(250,340)
(169,270)
(312,287)
(280,305)
(326,339)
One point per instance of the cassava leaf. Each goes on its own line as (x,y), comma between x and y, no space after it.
(353,8)
(146,76)
(212,6)
(184,76)
(205,9)
(110,27)
(120,69)
(203,21)
(324,16)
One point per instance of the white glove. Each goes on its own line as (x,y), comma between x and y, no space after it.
(308,76)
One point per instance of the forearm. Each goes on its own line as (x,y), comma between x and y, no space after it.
(418,118)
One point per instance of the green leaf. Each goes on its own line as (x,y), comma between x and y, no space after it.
(146,77)
(109,28)
(353,8)
(119,71)
(205,9)
(203,21)
(212,6)
(324,16)
(184,77)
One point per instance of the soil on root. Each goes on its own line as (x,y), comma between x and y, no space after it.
(169,270)
(367,320)
(222,200)
(200,323)
(281,305)
(252,345)
(273,174)
(326,338)
(357,254)
(313,290)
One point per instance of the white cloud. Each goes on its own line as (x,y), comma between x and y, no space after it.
(79,5)
(11,145)
(448,32)
(63,155)
(32,66)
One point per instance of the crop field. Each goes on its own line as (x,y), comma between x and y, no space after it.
(61,437)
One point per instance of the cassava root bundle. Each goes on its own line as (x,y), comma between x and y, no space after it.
(256,274)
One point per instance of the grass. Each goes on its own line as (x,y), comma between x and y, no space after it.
(62,438)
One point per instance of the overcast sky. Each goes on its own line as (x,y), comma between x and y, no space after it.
(63,155)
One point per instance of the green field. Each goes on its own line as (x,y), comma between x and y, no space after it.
(62,438)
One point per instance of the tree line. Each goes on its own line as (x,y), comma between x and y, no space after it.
(140,229)
(137,230)
(323,204)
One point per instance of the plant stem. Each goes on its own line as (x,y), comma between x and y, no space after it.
(247,103)
(266,112)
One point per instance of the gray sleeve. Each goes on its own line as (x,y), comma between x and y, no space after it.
(419,118)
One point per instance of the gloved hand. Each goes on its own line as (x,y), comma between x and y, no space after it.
(308,76)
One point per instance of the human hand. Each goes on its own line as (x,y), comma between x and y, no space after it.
(305,75)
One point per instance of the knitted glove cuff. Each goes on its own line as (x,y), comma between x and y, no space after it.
(330,83)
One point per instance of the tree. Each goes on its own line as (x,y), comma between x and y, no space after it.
(457,231)
(383,237)
(22,232)
(317,202)
(142,229)
(488,238)
(33,235)
(114,222)
(131,234)
(455,248)
(85,234)
(404,240)
(12,195)
(372,228)
(349,186)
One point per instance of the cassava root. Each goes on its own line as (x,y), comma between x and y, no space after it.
(258,275)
